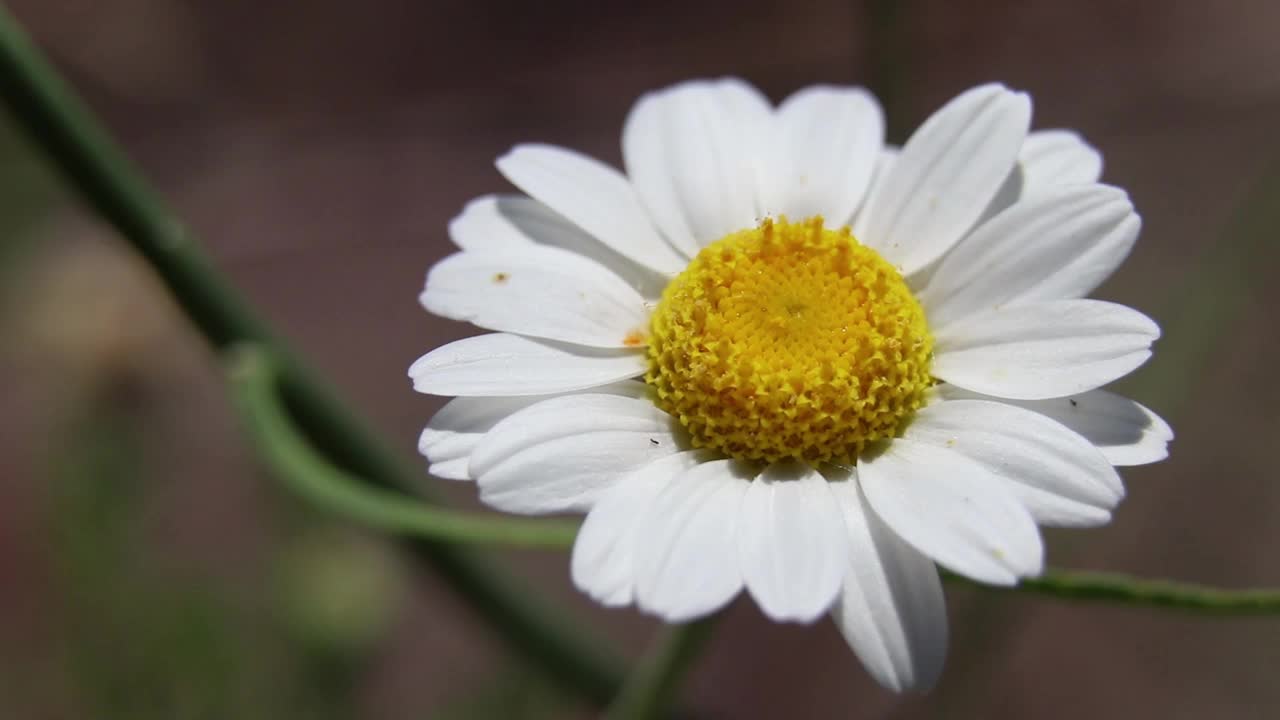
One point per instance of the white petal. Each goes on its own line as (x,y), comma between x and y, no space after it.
(1045,349)
(1126,432)
(690,151)
(1058,475)
(452,469)
(945,177)
(952,509)
(481,226)
(792,544)
(1049,159)
(1058,245)
(502,364)
(1008,194)
(456,429)
(827,140)
(892,611)
(556,456)
(495,223)
(687,565)
(603,562)
(593,196)
(885,161)
(1053,158)
(540,291)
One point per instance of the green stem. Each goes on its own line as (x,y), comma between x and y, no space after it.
(651,687)
(253,385)
(88,158)
(1118,589)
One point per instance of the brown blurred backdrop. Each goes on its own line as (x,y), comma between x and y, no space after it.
(150,568)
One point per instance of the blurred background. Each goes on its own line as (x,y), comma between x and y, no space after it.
(150,568)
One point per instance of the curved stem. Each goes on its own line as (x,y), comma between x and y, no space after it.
(253,386)
(651,687)
(96,167)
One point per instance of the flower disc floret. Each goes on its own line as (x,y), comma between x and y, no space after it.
(789,341)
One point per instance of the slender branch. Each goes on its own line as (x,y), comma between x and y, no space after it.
(651,687)
(96,167)
(1118,589)
(253,385)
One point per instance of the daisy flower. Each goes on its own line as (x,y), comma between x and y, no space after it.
(777,355)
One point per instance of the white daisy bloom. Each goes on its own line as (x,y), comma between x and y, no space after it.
(777,355)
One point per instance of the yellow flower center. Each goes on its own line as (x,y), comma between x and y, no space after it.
(789,340)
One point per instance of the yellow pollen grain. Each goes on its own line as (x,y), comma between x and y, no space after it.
(789,340)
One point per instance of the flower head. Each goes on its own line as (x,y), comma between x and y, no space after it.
(780,356)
